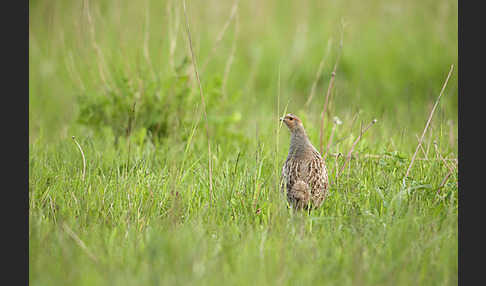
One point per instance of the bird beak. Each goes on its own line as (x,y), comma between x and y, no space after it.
(281,118)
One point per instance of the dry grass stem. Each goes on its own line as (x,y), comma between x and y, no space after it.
(349,129)
(378,156)
(444,161)
(421,148)
(336,157)
(324,110)
(430,141)
(329,89)
(210,171)
(444,181)
(172,33)
(101,61)
(428,122)
(131,122)
(188,144)
(451,169)
(82,154)
(234,9)
(230,58)
(348,157)
(131,119)
(336,121)
(79,242)
(318,74)
(329,142)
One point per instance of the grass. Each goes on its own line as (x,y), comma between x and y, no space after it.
(119,77)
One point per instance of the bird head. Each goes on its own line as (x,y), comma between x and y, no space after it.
(292,122)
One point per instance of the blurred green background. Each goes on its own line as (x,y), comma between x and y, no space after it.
(89,62)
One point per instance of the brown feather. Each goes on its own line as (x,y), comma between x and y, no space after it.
(304,172)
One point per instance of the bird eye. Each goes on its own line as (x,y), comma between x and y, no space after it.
(291,118)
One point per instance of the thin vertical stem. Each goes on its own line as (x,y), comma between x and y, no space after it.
(82,154)
(428,123)
(210,171)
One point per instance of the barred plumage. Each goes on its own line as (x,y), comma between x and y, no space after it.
(304,173)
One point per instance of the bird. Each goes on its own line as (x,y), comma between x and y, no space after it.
(304,172)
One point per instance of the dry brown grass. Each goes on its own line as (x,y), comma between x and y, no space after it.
(210,171)
(428,123)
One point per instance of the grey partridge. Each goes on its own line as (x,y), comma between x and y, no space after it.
(304,173)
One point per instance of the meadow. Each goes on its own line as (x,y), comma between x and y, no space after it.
(120,191)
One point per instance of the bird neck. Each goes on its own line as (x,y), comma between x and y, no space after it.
(299,142)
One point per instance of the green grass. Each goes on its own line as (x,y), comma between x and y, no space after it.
(144,215)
